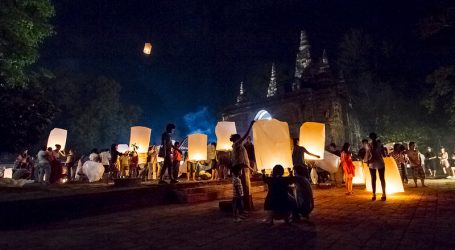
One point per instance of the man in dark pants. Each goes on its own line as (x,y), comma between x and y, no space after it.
(166,152)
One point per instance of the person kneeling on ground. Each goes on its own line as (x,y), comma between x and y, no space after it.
(277,202)
(303,193)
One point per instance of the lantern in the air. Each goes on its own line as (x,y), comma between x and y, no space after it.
(122,148)
(312,137)
(140,137)
(147,48)
(197,147)
(391,175)
(223,131)
(271,144)
(57,136)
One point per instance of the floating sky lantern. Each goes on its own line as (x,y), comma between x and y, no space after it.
(57,136)
(312,137)
(392,178)
(223,131)
(271,144)
(122,148)
(147,48)
(197,147)
(140,137)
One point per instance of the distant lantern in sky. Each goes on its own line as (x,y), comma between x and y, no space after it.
(271,144)
(57,136)
(148,48)
(223,131)
(312,137)
(197,147)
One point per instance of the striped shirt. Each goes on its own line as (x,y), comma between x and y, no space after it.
(237,187)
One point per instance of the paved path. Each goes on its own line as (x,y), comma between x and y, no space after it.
(422,218)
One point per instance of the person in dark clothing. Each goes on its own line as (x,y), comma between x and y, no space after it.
(278,201)
(303,193)
(375,161)
(166,147)
(431,161)
(251,155)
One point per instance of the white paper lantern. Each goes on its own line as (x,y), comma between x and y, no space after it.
(359,177)
(312,137)
(392,178)
(57,136)
(140,136)
(329,163)
(8,173)
(271,144)
(197,147)
(223,131)
(122,148)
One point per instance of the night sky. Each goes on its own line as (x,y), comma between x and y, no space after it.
(203,49)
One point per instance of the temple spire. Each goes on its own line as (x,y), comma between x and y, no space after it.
(272,89)
(241,97)
(302,61)
(324,66)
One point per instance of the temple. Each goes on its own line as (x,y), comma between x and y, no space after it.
(316,95)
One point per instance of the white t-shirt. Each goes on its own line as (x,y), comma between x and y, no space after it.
(94,157)
(105,157)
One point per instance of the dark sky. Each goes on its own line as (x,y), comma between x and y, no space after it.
(203,49)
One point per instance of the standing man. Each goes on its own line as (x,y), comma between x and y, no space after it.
(166,153)
(240,160)
(416,164)
(430,161)
(44,167)
(251,156)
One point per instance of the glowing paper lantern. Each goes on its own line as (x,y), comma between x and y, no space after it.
(392,178)
(122,148)
(271,144)
(359,177)
(329,163)
(57,136)
(140,136)
(312,137)
(197,147)
(223,131)
(8,173)
(147,48)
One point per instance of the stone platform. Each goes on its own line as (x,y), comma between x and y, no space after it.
(36,203)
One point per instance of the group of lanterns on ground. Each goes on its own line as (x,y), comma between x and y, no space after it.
(272,146)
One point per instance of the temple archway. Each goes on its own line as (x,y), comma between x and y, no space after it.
(263,115)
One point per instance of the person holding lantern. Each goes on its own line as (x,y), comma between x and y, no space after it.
(240,159)
(348,166)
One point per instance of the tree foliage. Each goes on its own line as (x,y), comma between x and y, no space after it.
(380,97)
(24,24)
(441,98)
(91,110)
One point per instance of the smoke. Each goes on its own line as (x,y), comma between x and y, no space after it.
(201,121)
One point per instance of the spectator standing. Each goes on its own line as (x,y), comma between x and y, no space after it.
(237,197)
(44,167)
(249,146)
(348,166)
(416,164)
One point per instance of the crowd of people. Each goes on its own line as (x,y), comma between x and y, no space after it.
(288,196)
